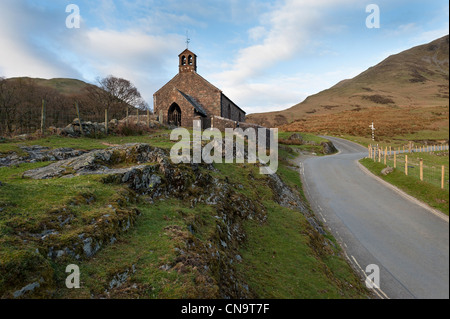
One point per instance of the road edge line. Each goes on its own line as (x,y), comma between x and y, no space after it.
(434,211)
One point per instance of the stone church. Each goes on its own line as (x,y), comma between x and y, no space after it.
(188,96)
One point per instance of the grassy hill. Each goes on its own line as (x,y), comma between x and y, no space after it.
(66,87)
(409,90)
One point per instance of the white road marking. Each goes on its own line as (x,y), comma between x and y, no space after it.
(367,278)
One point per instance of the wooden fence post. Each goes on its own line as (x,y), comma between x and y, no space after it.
(443,177)
(148,118)
(421,169)
(395,159)
(106,121)
(390,150)
(385,156)
(43,117)
(379,155)
(406,165)
(79,118)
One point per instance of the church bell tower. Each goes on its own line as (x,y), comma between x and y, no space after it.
(188,61)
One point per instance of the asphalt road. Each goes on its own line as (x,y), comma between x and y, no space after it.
(377,225)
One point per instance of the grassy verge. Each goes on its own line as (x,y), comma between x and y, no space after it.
(430,194)
(280,261)
(311,143)
(286,259)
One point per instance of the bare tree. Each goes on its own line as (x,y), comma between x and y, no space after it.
(8,103)
(115,95)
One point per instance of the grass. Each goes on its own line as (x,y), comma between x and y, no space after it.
(307,137)
(311,143)
(286,259)
(146,247)
(432,166)
(430,194)
(158,139)
(280,263)
(301,268)
(400,140)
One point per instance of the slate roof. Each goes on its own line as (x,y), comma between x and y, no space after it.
(194,103)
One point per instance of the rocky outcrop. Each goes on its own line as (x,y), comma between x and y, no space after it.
(286,197)
(101,162)
(147,170)
(328,148)
(153,174)
(38,154)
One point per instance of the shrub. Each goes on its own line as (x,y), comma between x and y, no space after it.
(132,129)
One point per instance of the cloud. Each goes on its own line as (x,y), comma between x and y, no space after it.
(131,54)
(262,53)
(281,92)
(35,42)
(22,53)
(431,35)
(283,34)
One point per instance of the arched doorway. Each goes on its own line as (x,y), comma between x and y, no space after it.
(174,116)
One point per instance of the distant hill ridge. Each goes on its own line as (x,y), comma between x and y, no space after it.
(417,78)
(63,86)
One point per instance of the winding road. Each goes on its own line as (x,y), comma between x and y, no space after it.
(378,225)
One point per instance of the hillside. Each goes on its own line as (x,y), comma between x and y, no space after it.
(21,101)
(139,226)
(414,81)
(66,87)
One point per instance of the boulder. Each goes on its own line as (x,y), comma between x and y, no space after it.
(387,171)
(295,137)
(328,148)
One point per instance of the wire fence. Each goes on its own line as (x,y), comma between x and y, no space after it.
(31,120)
(429,163)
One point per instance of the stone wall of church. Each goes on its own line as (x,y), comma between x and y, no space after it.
(193,85)
(231,111)
(170,97)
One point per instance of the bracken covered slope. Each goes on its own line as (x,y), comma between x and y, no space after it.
(414,80)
